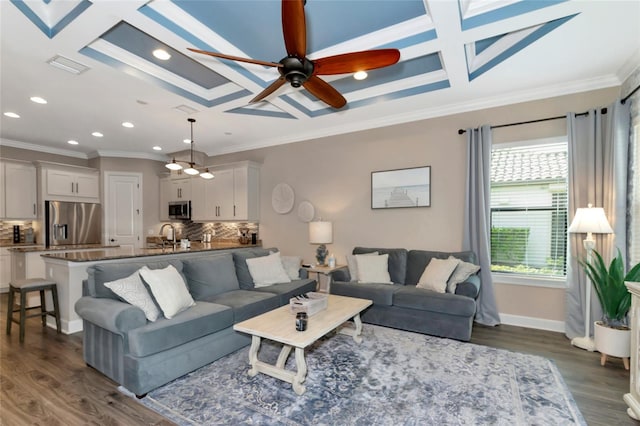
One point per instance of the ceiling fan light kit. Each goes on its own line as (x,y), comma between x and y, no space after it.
(296,69)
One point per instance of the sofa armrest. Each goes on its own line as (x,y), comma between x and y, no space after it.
(470,287)
(341,274)
(113,315)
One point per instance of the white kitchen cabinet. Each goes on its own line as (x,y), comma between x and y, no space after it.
(199,199)
(72,184)
(19,189)
(5,269)
(233,194)
(69,183)
(173,189)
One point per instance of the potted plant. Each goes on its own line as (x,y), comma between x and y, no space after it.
(612,335)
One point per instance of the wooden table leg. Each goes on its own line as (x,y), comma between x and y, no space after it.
(284,354)
(301,373)
(253,355)
(354,332)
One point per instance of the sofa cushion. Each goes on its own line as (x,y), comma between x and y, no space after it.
(247,303)
(352,264)
(134,292)
(427,300)
(397,261)
(168,288)
(462,272)
(242,270)
(381,294)
(286,291)
(209,276)
(291,265)
(373,269)
(417,261)
(267,270)
(105,272)
(437,273)
(198,321)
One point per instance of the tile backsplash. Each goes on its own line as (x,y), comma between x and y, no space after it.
(223,230)
(6,229)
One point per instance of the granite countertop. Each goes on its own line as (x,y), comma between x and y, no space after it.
(10,243)
(124,253)
(41,248)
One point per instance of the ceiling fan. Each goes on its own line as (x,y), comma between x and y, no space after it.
(298,70)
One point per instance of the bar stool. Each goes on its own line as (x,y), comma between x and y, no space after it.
(26,286)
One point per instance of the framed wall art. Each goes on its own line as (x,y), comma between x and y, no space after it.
(402,188)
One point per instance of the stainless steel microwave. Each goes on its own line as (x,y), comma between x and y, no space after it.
(180,210)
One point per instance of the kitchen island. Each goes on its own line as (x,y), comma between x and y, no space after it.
(69,269)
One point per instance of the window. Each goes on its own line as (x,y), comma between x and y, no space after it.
(529,209)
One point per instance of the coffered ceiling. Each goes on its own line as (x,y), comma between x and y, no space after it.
(456,56)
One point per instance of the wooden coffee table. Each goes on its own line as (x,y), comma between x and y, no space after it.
(279,325)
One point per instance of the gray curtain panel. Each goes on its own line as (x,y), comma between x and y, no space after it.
(477,219)
(598,167)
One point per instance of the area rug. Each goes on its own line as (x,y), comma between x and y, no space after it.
(392,378)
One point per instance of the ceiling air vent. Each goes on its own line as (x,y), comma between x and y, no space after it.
(67,64)
(186,109)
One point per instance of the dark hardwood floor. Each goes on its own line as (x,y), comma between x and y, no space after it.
(45,380)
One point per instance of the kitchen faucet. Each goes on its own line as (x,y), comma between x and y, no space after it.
(173,232)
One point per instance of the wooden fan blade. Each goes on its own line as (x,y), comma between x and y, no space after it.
(356,61)
(269,90)
(236,58)
(294,27)
(324,91)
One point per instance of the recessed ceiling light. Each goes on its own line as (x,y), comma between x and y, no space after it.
(72,142)
(157,148)
(228,133)
(161,54)
(360,75)
(38,100)
(97,134)
(186,140)
(11,114)
(127,124)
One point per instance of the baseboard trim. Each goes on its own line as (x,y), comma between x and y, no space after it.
(532,322)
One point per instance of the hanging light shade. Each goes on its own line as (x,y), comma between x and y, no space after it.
(206,174)
(173,165)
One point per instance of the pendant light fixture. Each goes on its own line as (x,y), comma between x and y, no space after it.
(191,170)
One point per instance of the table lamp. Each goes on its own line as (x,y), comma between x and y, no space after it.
(590,220)
(320,232)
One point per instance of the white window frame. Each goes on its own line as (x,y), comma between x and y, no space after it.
(521,279)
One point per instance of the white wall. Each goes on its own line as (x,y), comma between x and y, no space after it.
(334,174)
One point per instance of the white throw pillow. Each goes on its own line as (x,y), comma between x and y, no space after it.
(168,288)
(437,273)
(133,291)
(373,269)
(463,271)
(353,265)
(291,265)
(267,270)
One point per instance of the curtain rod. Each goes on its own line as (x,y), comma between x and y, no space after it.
(603,111)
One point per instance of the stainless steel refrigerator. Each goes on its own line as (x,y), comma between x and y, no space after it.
(72,223)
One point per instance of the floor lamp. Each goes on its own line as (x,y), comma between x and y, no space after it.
(591,220)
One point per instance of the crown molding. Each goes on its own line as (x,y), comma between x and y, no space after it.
(43,148)
(127,154)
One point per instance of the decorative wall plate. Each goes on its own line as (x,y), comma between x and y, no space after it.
(306,211)
(282,198)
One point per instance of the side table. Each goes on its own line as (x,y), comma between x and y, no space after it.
(326,271)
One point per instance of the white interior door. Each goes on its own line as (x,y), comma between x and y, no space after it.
(123,209)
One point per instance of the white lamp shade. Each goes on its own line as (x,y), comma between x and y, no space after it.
(320,232)
(590,219)
(191,171)
(173,165)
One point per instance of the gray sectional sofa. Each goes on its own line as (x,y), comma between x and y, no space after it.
(142,355)
(403,305)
